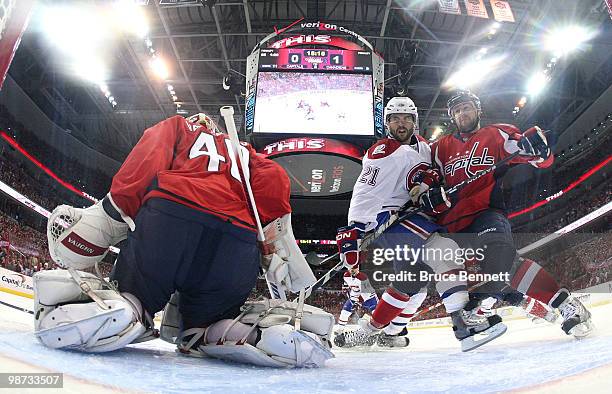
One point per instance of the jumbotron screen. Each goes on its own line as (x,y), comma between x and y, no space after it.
(314,103)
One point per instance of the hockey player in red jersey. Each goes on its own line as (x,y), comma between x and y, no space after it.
(478,208)
(180,201)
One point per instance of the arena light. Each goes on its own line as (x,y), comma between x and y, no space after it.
(472,73)
(561,41)
(159,67)
(92,70)
(537,83)
(74,29)
(131,17)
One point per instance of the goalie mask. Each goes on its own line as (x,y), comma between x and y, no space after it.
(401,105)
(204,120)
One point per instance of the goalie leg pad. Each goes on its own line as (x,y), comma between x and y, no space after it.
(314,319)
(264,335)
(276,346)
(65,319)
(88,328)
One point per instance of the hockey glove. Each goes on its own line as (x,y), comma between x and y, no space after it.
(426,180)
(348,240)
(435,201)
(534,143)
(79,238)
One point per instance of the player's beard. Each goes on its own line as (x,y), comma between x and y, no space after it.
(405,135)
(468,126)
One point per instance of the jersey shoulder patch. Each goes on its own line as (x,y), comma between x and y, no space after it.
(346,274)
(383,148)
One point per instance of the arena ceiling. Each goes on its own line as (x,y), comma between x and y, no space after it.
(422,47)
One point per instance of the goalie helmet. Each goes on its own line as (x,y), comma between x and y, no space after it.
(402,105)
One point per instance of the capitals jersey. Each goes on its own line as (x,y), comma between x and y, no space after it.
(359,286)
(460,157)
(389,171)
(189,164)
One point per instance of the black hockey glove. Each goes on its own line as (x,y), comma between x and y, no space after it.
(435,200)
(534,143)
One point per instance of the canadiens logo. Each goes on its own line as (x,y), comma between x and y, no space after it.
(470,162)
(414,175)
(379,150)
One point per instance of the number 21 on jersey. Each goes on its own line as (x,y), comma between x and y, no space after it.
(369,175)
(206,145)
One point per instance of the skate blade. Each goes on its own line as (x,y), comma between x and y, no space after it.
(471,343)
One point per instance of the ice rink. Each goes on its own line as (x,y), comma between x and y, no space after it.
(530,357)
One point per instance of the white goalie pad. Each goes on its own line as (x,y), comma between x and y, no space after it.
(314,320)
(285,263)
(279,346)
(64,319)
(262,335)
(79,238)
(89,328)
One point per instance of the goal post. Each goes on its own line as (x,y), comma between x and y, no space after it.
(14,16)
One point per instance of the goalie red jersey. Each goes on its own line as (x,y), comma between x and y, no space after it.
(194,166)
(461,156)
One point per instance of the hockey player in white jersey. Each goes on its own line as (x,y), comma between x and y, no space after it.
(360,291)
(391,168)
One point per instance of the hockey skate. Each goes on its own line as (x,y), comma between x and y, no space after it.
(474,330)
(537,311)
(396,341)
(576,318)
(365,335)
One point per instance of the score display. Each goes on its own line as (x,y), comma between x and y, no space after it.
(315,59)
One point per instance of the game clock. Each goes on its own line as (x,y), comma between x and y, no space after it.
(315,59)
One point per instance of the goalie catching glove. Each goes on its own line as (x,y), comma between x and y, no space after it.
(285,264)
(79,238)
(263,334)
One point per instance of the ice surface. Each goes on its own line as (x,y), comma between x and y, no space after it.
(528,354)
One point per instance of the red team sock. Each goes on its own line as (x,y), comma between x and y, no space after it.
(391,304)
(533,280)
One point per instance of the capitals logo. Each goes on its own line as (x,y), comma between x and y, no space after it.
(469,162)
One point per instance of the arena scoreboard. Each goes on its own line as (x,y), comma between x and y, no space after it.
(315,59)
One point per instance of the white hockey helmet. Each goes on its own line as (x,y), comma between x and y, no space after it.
(402,105)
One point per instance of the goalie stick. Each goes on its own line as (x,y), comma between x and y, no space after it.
(227,112)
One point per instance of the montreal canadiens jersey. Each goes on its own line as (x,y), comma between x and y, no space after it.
(460,157)
(359,286)
(189,164)
(389,171)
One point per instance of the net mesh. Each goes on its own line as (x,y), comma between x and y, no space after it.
(6,9)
